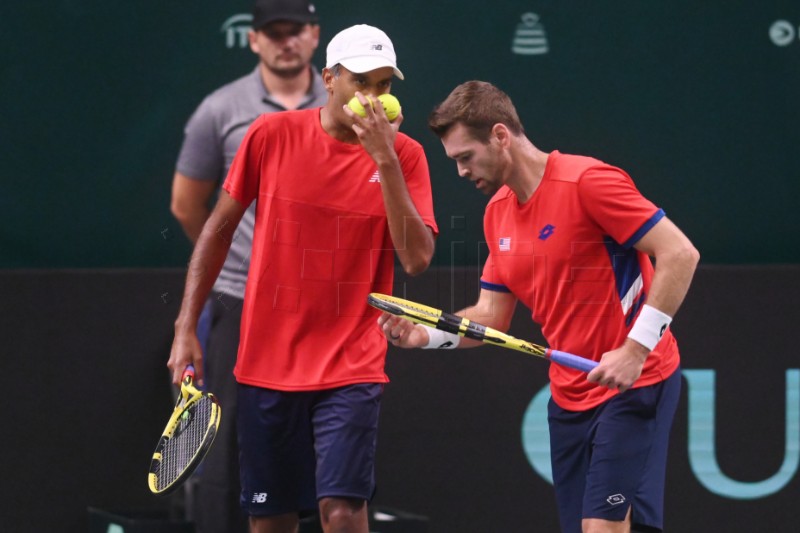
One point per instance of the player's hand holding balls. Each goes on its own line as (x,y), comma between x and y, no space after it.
(391,106)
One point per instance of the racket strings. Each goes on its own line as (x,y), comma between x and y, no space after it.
(187,439)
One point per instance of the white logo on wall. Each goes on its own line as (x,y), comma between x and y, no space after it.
(235,30)
(782,33)
(529,38)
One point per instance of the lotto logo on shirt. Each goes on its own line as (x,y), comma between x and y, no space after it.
(546,232)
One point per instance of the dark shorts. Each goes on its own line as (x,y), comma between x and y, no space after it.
(299,447)
(613,457)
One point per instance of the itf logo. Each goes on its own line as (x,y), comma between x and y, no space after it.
(529,38)
(235,30)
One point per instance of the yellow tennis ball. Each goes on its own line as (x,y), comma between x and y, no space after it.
(356,106)
(391,106)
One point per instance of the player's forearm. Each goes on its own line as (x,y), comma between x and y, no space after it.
(204,267)
(492,309)
(676,260)
(673,275)
(416,248)
(413,240)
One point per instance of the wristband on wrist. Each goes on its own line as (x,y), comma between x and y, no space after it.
(649,327)
(440,339)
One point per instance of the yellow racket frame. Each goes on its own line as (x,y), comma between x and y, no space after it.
(436,318)
(189,395)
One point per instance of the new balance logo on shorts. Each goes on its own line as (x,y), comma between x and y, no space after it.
(259,497)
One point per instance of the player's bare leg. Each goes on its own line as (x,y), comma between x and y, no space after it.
(285,523)
(596,525)
(343,515)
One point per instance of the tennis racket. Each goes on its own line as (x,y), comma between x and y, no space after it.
(436,318)
(187,438)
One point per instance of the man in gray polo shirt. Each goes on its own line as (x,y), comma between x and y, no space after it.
(285,35)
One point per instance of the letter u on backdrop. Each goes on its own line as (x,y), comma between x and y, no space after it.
(701,387)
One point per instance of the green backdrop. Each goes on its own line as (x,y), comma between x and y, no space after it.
(698,101)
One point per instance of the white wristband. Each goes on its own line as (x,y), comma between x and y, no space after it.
(440,339)
(649,327)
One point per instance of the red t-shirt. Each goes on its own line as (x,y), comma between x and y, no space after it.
(568,255)
(321,245)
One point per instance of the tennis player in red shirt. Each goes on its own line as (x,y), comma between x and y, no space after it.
(572,238)
(338,197)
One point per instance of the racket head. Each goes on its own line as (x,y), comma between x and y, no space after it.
(188,436)
(416,312)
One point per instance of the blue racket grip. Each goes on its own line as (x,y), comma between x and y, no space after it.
(572,361)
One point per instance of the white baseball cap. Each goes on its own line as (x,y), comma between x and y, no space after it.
(362,48)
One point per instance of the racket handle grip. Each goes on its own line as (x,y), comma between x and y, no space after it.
(572,361)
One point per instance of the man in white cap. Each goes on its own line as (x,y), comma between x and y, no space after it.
(284,36)
(339,196)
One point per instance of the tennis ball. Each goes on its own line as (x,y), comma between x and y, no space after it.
(356,106)
(391,106)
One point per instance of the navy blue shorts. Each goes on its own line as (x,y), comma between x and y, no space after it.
(298,447)
(614,457)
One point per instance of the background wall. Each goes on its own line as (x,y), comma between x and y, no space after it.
(85,396)
(697,101)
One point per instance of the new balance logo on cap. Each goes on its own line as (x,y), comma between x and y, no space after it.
(259,497)
(376,178)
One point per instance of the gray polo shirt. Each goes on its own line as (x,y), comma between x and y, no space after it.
(211,138)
